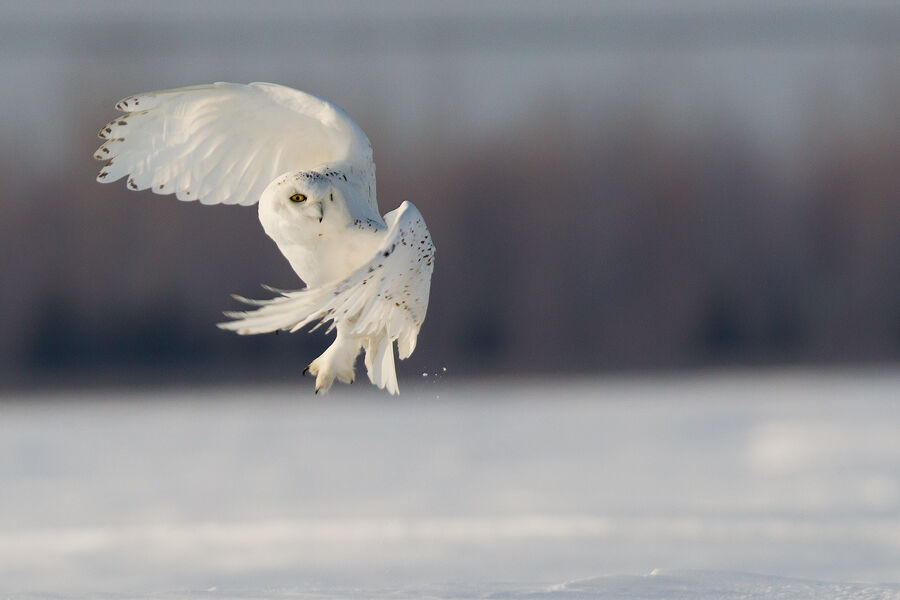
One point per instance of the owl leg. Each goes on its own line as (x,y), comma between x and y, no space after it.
(336,362)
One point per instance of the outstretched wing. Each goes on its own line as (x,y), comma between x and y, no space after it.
(224,142)
(388,295)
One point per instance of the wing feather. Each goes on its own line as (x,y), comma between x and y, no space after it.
(224,142)
(387,295)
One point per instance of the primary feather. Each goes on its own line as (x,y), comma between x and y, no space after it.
(310,168)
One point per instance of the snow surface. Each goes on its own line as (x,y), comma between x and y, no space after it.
(657,585)
(501,489)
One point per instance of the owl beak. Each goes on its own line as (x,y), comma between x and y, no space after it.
(321,211)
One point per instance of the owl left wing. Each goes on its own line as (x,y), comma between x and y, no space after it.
(223,143)
(388,295)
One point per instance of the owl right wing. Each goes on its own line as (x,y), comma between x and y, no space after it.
(225,142)
(386,296)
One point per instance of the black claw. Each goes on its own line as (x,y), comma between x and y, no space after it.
(317,391)
(306,370)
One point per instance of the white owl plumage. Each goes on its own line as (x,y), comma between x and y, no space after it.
(310,168)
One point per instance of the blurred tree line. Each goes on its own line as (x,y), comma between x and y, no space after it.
(627,241)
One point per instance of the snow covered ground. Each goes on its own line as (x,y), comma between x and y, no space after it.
(662,487)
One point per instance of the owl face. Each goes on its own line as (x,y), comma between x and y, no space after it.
(301,205)
(304,198)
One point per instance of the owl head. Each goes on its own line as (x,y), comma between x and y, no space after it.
(305,199)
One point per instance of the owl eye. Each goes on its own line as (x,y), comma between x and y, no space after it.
(298,198)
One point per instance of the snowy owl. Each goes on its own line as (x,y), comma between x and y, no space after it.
(311,169)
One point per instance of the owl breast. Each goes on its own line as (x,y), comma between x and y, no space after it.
(323,242)
(329,256)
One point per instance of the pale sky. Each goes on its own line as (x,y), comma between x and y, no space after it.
(462,68)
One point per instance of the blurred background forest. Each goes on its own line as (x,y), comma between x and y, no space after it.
(610,186)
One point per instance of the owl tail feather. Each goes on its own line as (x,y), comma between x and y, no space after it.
(380,363)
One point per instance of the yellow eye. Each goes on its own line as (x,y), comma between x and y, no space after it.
(298,198)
